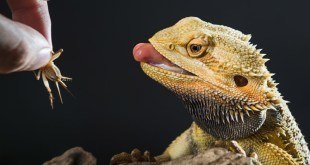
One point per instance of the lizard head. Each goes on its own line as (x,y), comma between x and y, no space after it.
(216,71)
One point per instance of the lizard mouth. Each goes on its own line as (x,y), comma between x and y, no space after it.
(145,52)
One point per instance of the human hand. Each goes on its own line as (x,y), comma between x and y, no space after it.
(25,41)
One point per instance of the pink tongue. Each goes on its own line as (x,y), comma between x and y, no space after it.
(145,52)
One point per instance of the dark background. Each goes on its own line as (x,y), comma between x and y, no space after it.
(119,108)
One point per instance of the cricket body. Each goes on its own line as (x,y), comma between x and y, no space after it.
(224,84)
(50,72)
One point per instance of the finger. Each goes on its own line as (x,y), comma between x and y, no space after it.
(33,13)
(21,47)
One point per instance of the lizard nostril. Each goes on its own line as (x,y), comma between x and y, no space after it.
(240,81)
(171,47)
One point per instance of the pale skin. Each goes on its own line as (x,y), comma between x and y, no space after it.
(26,43)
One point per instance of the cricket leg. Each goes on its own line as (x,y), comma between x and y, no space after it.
(47,86)
(38,76)
(56,55)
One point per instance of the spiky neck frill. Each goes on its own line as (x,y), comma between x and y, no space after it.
(214,117)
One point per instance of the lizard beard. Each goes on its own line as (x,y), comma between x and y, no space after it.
(212,118)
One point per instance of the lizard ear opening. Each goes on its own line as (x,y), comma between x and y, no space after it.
(240,81)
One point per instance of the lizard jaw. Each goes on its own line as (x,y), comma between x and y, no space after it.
(172,68)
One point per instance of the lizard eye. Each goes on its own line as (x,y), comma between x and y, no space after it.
(240,81)
(197,47)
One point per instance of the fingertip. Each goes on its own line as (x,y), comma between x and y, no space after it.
(44,56)
(41,59)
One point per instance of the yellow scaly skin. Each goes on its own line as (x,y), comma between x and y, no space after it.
(229,84)
(224,84)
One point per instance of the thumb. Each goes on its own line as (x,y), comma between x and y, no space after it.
(21,47)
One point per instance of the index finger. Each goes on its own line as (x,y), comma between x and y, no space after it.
(33,13)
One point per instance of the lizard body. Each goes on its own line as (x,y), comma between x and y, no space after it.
(224,84)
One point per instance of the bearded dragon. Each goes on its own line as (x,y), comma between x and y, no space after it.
(221,78)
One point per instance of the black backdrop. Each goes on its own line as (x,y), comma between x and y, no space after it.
(117,107)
